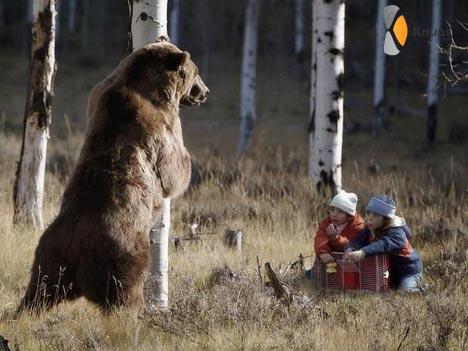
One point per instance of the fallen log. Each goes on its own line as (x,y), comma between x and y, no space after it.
(281,291)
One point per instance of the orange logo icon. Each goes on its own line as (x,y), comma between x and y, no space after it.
(397,30)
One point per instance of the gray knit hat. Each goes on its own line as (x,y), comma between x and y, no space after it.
(382,205)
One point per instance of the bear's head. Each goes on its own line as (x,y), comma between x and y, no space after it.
(163,73)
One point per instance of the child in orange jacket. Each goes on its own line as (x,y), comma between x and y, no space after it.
(340,228)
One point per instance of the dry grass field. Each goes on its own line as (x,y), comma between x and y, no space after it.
(267,195)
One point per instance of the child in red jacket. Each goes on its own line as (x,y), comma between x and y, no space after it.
(340,228)
(336,231)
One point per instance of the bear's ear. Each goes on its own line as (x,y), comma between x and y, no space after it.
(163,38)
(174,60)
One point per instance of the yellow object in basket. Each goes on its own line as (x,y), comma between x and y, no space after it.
(331,267)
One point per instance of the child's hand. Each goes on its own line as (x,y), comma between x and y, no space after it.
(325,258)
(331,231)
(354,256)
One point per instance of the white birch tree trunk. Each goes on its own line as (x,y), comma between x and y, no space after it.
(433,71)
(248,76)
(29,182)
(328,137)
(299,28)
(379,69)
(149,22)
(30,11)
(313,85)
(174,22)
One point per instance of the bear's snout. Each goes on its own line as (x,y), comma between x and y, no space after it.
(197,94)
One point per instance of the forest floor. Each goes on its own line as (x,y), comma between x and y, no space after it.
(268,197)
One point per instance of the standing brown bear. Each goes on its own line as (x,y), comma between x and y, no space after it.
(133,156)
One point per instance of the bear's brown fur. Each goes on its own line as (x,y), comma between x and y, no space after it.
(133,155)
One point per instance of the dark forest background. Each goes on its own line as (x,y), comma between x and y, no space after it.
(92,39)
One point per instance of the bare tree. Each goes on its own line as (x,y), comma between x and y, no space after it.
(174,22)
(379,69)
(248,112)
(29,182)
(299,28)
(149,22)
(457,62)
(433,78)
(328,135)
(313,86)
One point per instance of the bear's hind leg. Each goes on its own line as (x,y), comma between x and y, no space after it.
(113,283)
(49,286)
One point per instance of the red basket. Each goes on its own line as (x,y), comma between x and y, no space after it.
(369,274)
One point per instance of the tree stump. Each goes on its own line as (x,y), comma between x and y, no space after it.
(233,239)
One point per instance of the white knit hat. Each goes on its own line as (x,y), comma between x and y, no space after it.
(346,202)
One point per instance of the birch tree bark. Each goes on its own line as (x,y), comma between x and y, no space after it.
(29,183)
(379,69)
(328,137)
(433,72)
(313,85)
(149,22)
(299,28)
(248,76)
(174,22)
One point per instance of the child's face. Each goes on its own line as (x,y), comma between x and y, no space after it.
(373,220)
(337,216)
